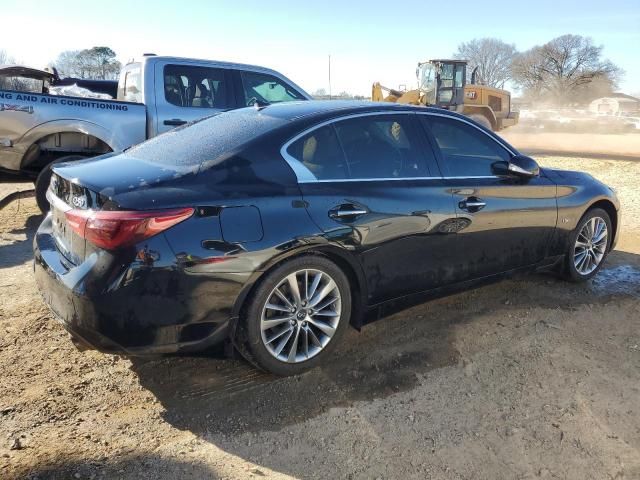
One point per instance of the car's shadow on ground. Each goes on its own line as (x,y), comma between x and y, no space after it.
(16,252)
(220,396)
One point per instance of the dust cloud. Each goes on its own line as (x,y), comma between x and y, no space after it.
(599,145)
(563,130)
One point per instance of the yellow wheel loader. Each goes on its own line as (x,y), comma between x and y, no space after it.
(443,83)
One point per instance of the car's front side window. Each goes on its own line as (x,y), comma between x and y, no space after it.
(362,148)
(466,150)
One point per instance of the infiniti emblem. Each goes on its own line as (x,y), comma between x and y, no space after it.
(79,201)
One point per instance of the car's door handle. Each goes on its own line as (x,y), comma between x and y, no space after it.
(472,204)
(175,122)
(347,211)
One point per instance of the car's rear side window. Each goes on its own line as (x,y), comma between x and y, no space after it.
(321,153)
(366,147)
(466,150)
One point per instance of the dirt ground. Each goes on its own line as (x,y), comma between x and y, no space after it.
(529,378)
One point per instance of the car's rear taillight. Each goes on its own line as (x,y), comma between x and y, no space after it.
(115,229)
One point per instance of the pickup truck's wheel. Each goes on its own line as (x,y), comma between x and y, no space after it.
(297,316)
(43,179)
(588,246)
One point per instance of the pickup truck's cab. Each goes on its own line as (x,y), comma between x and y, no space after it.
(179,90)
(154,95)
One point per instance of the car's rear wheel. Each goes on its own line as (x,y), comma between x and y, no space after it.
(297,315)
(588,246)
(44,177)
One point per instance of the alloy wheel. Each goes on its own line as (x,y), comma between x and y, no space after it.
(591,245)
(301,315)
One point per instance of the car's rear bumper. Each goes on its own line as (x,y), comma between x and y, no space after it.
(136,308)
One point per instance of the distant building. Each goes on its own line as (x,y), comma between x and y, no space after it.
(616,104)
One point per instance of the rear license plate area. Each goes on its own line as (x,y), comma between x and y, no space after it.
(62,233)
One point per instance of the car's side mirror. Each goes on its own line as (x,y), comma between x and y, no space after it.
(519,166)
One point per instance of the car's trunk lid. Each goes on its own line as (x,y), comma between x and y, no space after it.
(114,174)
(100,184)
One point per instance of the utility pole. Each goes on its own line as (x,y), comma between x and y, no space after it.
(329,76)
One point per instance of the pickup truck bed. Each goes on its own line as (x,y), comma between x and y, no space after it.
(153,96)
(65,125)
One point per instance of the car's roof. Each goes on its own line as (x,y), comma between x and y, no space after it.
(313,111)
(322,108)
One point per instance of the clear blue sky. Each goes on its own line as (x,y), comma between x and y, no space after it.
(367,40)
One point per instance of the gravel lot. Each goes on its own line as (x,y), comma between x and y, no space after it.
(528,378)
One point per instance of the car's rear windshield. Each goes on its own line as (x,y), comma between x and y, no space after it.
(206,141)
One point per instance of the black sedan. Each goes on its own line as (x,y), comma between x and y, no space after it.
(274,228)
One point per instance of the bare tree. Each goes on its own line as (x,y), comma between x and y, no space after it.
(104,63)
(491,56)
(94,63)
(17,83)
(68,64)
(5,58)
(567,69)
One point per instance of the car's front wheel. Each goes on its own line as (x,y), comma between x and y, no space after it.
(297,315)
(588,246)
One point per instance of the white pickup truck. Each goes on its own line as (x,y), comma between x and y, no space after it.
(153,96)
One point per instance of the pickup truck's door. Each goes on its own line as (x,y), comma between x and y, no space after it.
(188,92)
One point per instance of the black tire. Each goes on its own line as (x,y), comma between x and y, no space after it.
(571,272)
(482,120)
(249,337)
(43,179)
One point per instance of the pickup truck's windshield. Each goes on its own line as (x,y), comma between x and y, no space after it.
(207,140)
